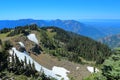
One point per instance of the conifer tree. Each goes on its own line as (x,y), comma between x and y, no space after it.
(0,42)
(25,61)
(33,67)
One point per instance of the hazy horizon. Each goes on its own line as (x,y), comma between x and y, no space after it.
(58,19)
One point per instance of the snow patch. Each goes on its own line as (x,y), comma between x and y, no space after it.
(62,72)
(33,38)
(10,52)
(77,68)
(10,59)
(56,70)
(21,44)
(91,69)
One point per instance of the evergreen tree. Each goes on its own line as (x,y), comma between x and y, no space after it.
(0,42)
(25,60)
(7,45)
(33,68)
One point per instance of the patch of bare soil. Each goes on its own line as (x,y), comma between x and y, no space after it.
(77,71)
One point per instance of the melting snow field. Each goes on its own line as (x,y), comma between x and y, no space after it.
(56,72)
(61,71)
(33,38)
(91,69)
(21,44)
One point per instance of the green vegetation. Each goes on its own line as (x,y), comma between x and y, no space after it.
(15,68)
(63,44)
(110,69)
(96,76)
(3,35)
(73,46)
(22,30)
(5,30)
(59,43)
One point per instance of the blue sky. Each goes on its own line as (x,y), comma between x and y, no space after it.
(59,9)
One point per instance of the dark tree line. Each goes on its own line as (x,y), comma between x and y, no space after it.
(3,60)
(5,30)
(23,30)
(21,67)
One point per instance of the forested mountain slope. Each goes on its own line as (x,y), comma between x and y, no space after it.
(66,44)
(55,42)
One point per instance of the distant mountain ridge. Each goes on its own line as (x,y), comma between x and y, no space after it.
(91,29)
(69,25)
